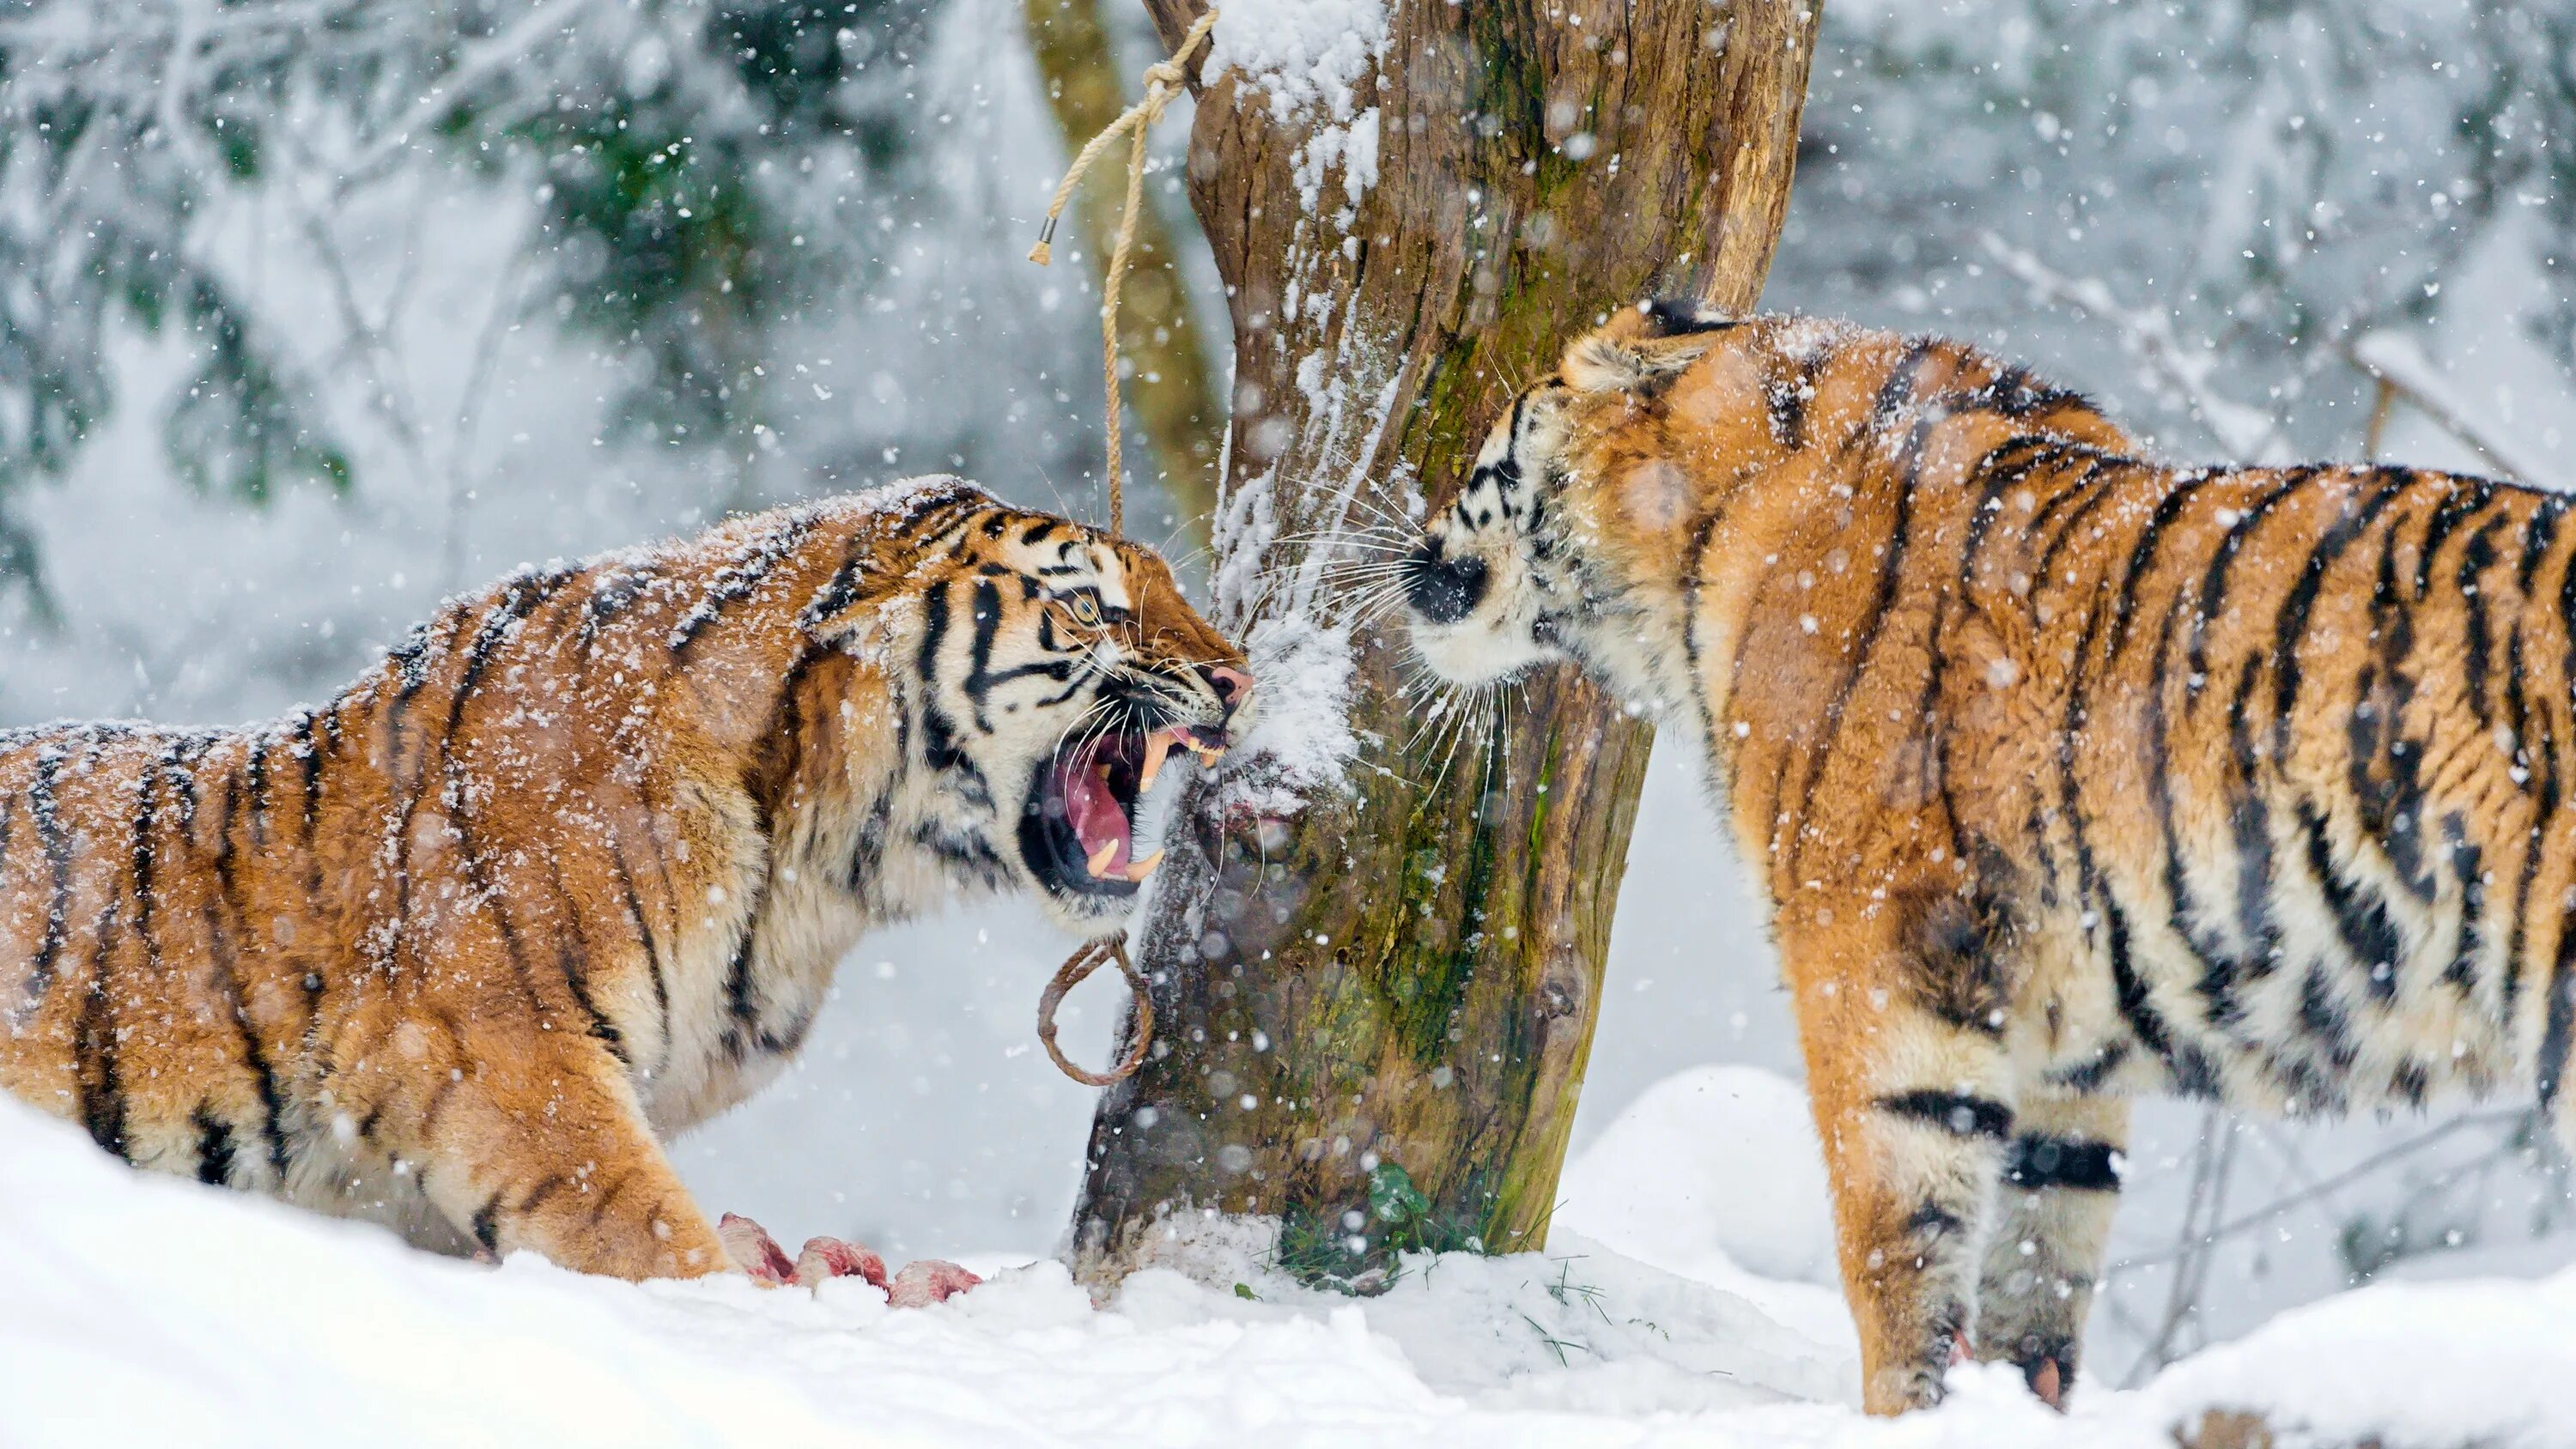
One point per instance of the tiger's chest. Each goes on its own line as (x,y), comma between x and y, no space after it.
(744,997)
(747,986)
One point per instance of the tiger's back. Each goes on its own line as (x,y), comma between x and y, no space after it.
(2309,789)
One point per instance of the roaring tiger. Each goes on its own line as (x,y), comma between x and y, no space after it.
(2069,776)
(573,867)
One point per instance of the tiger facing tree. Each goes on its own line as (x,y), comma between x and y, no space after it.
(2068,776)
(574,866)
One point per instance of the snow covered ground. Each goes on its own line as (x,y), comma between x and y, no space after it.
(149,1310)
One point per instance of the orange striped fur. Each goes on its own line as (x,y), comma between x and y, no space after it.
(2068,775)
(573,867)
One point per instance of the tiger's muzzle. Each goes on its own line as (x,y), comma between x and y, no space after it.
(1078,827)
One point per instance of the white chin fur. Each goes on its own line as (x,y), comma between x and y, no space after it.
(1087,916)
(1466,654)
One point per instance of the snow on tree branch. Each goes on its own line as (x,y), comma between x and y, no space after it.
(1301,52)
(2395,359)
(2175,369)
(473,66)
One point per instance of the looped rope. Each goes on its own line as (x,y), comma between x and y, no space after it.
(1163,81)
(1071,974)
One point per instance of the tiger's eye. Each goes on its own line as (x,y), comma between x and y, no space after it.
(1085,611)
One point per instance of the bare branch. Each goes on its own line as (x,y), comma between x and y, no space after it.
(2292,1202)
(2178,369)
(2401,367)
(474,65)
(1172,21)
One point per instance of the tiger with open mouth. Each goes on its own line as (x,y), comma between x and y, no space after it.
(573,867)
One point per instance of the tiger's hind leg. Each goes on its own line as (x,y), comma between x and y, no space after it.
(2061,1185)
(1899,1000)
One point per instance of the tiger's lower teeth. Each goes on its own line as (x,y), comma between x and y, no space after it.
(1137,870)
(1098,864)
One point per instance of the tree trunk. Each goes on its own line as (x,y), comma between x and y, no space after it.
(1171,392)
(1376,990)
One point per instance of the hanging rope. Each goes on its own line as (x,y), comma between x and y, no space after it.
(1080,965)
(1163,81)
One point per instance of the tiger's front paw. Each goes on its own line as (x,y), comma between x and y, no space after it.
(2047,1381)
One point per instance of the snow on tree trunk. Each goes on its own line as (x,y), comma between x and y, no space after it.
(1377,944)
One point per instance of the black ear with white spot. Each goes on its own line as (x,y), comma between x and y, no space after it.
(861,607)
(1643,347)
(1682,317)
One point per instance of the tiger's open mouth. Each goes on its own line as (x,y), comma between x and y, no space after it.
(1078,830)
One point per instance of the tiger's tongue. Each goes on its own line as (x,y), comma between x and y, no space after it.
(1093,811)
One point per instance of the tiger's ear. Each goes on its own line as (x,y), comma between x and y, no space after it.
(862,609)
(1644,346)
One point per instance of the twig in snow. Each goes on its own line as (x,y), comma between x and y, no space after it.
(1555,1345)
(2195,1247)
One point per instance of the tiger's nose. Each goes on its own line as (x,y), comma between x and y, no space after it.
(1443,590)
(1233,687)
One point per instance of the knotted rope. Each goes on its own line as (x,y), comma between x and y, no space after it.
(1163,81)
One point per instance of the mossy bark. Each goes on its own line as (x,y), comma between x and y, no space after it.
(1171,390)
(1376,1004)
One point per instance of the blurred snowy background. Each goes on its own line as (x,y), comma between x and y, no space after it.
(314,310)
